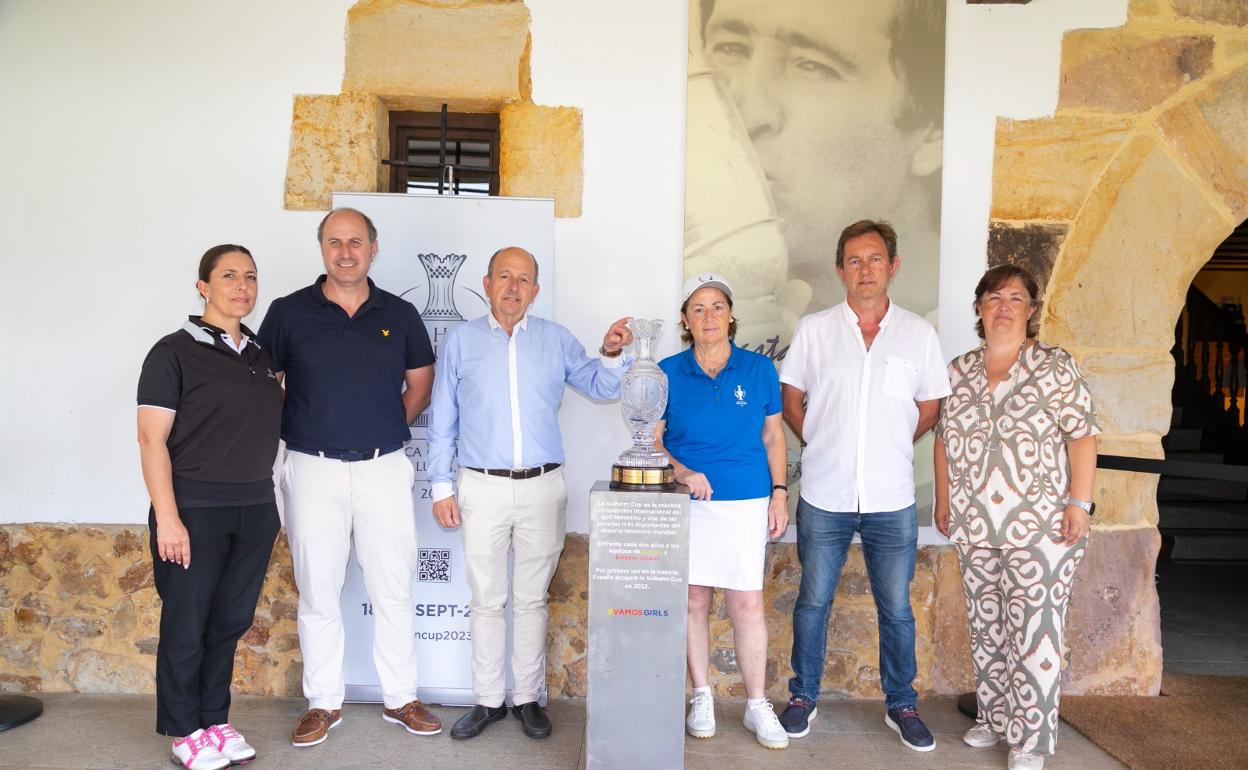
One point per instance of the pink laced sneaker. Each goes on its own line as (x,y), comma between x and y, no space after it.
(234,746)
(197,752)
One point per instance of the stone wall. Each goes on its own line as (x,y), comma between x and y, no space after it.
(78,612)
(416,55)
(1115,203)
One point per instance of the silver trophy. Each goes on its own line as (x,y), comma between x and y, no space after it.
(643,398)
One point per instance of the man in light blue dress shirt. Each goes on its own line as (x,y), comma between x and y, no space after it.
(496,397)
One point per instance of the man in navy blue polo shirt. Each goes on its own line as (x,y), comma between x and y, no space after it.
(358,368)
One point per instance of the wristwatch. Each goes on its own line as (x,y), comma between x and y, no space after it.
(1084,504)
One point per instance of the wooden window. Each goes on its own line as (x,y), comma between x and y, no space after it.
(471,140)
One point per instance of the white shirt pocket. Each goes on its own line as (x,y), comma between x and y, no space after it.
(901,377)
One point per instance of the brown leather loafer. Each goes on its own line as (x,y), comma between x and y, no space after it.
(314,726)
(415,718)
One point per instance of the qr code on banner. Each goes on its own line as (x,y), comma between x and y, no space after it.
(435,565)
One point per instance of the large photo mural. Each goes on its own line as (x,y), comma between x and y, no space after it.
(806,116)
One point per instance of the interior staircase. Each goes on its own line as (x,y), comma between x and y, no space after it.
(1206,519)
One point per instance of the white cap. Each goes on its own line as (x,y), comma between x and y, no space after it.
(700,280)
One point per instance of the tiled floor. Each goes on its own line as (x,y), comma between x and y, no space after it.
(1204,617)
(115,731)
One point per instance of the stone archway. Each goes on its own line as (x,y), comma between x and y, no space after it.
(1116,202)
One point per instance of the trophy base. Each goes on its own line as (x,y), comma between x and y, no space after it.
(629,478)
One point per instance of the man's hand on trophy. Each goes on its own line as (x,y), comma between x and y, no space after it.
(616,338)
(699,487)
(446,511)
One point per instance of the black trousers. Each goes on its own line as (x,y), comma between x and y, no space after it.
(207,608)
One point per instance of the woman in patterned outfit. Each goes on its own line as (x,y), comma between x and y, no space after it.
(1015,458)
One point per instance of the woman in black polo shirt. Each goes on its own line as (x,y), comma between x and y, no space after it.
(209,414)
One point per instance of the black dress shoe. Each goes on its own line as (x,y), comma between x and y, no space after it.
(533,718)
(472,724)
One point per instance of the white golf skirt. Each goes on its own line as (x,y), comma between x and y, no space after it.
(727,543)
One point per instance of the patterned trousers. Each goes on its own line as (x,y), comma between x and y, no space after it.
(1016,601)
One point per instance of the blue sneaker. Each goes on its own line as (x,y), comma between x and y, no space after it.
(797,717)
(906,723)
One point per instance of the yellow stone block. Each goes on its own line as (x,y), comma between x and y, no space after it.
(1044,168)
(1124,71)
(456,48)
(1124,497)
(336,144)
(1145,213)
(1130,388)
(1229,12)
(541,151)
(1149,10)
(1210,133)
(1233,50)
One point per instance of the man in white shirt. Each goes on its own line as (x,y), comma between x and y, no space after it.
(862,381)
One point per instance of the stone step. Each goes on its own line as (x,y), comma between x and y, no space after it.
(1172,490)
(1182,439)
(1176,517)
(1207,545)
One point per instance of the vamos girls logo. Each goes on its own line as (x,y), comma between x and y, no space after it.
(637,612)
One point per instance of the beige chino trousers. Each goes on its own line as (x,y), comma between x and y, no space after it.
(526,516)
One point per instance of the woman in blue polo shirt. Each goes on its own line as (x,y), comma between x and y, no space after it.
(209,413)
(723,432)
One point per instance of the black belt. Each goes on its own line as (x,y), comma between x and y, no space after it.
(348,455)
(523,473)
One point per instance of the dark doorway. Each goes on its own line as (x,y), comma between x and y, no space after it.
(1203,566)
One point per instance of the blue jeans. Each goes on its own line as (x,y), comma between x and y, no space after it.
(889,540)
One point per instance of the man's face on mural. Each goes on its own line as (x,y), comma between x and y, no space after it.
(817,90)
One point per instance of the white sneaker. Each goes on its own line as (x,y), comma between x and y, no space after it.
(234,746)
(1024,760)
(981,736)
(701,720)
(196,752)
(763,722)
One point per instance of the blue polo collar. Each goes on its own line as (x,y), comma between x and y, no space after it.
(374,297)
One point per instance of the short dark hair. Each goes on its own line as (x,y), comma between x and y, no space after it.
(997,277)
(686,336)
(863,227)
(208,262)
(917,28)
(372,229)
(489,269)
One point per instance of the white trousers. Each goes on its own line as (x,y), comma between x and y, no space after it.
(329,503)
(528,517)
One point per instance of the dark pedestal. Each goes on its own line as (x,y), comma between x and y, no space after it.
(17,710)
(967,704)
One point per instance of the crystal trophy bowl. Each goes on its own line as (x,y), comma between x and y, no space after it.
(643,396)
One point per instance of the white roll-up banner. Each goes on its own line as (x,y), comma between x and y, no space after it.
(433,252)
